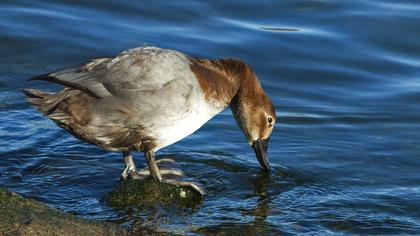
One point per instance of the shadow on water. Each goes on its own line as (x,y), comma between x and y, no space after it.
(266,187)
(147,205)
(156,206)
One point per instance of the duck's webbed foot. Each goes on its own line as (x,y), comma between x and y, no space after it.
(166,167)
(165,171)
(194,186)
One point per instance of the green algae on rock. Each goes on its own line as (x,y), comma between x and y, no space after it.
(22,216)
(134,192)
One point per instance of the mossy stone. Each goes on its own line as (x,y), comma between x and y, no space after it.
(145,192)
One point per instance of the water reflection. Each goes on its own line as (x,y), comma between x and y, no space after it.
(263,205)
(279,29)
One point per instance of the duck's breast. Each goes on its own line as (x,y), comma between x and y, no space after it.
(179,108)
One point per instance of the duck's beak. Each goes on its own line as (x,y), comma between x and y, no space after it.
(260,148)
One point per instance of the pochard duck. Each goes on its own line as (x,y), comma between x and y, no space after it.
(147,98)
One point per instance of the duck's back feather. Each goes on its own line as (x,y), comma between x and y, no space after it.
(137,69)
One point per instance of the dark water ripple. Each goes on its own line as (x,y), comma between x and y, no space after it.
(344,76)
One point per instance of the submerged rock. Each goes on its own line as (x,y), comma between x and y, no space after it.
(144,192)
(22,216)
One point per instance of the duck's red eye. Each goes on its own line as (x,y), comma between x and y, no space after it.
(270,120)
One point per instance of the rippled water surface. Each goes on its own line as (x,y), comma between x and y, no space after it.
(344,76)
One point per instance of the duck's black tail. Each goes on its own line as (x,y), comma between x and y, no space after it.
(44,102)
(36,98)
(64,107)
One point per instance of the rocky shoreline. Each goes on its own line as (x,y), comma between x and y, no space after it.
(23,216)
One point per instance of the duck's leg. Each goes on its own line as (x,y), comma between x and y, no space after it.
(153,167)
(156,174)
(130,167)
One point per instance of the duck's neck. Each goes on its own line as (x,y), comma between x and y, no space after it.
(226,81)
(247,87)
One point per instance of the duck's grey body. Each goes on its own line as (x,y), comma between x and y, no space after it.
(144,99)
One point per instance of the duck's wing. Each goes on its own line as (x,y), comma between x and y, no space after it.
(134,70)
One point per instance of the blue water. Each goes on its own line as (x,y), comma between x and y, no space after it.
(344,77)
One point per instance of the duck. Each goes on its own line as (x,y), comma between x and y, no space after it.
(147,98)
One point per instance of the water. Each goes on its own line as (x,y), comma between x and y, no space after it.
(344,76)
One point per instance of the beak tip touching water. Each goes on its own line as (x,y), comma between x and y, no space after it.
(260,147)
